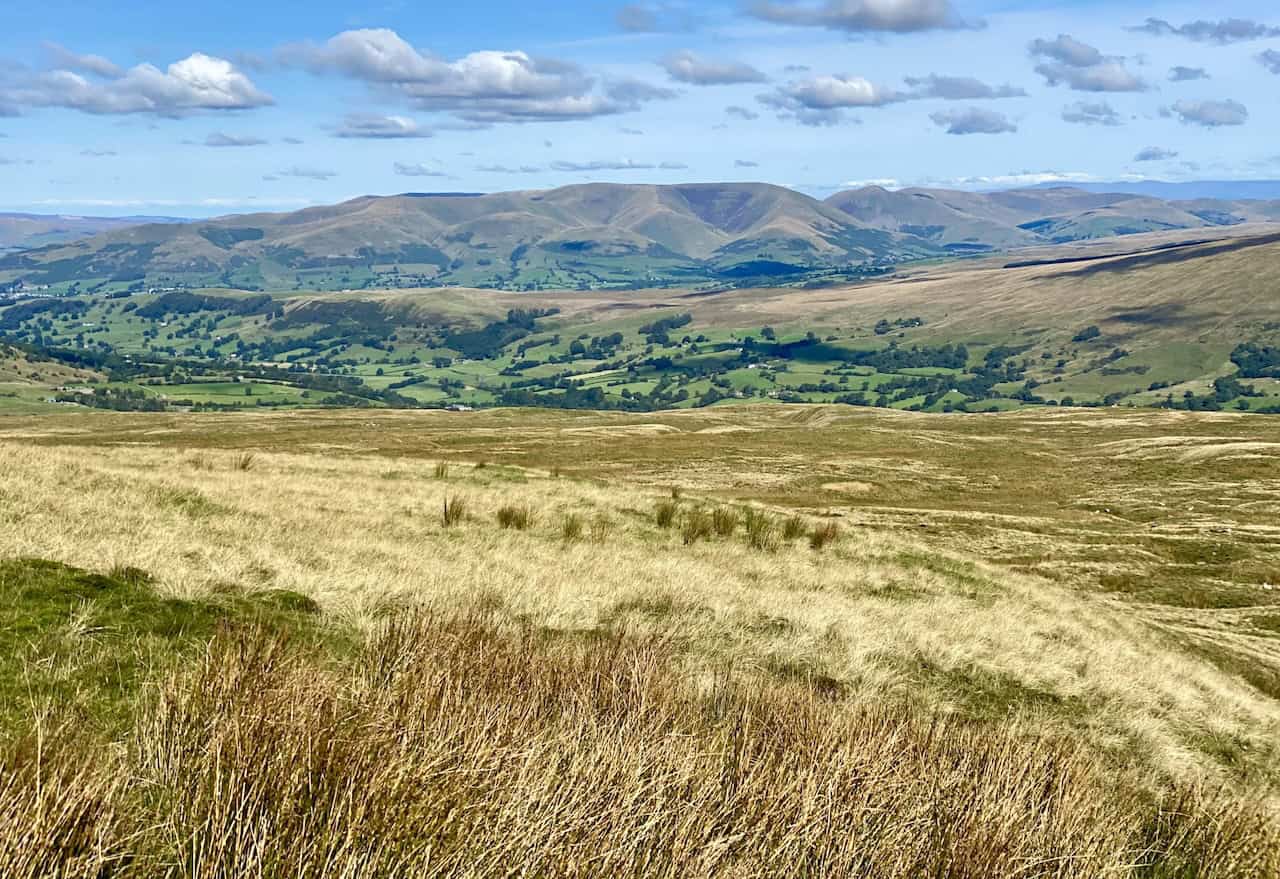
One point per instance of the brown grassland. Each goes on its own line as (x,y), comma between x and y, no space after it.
(752,641)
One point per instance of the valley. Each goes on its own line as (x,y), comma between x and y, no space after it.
(1148,320)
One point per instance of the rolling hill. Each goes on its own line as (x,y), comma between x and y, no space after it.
(27,231)
(599,236)
(975,222)
(577,236)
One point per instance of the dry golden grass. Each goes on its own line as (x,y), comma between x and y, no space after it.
(884,614)
(465,746)
(691,699)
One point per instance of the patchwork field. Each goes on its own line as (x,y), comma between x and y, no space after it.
(1068,619)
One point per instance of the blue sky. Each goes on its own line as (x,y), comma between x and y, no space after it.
(196,109)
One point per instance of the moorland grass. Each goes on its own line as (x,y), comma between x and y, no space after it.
(809,668)
(465,745)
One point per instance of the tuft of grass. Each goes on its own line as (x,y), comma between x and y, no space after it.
(725,521)
(244,462)
(793,527)
(664,514)
(602,527)
(571,528)
(454,512)
(442,470)
(823,535)
(761,532)
(697,526)
(519,517)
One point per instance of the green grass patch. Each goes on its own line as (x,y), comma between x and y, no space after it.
(84,644)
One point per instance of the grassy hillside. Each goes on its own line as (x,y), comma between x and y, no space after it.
(694,641)
(1185,324)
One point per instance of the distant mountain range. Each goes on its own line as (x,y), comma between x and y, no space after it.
(26,231)
(599,235)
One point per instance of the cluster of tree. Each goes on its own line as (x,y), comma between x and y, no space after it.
(116,399)
(1257,361)
(884,327)
(183,303)
(659,331)
(490,341)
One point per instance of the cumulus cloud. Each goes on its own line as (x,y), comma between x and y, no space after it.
(1211,114)
(417,170)
(959,88)
(1187,74)
(1155,154)
(687,67)
(822,100)
(617,165)
(483,87)
(1228,30)
(860,16)
(1085,113)
(219,139)
(1270,59)
(196,83)
(742,113)
(1081,67)
(973,120)
(655,18)
(377,127)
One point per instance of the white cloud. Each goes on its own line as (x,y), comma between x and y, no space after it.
(1081,67)
(617,165)
(377,127)
(1211,114)
(1085,113)
(689,68)
(959,88)
(973,120)
(1229,30)
(198,82)
(898,16)
(219,139)
(417,170)
(483,87)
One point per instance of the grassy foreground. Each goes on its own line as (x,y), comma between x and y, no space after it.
(410,644)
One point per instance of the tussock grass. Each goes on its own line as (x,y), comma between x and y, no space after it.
(441,470)
(601,528)
(453,512)
(521,518)
(696,525)
(664,513)
(725,521)
(793,527)
(823,535)
(762,533)
(571,528)
(465,745)
(244,462)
